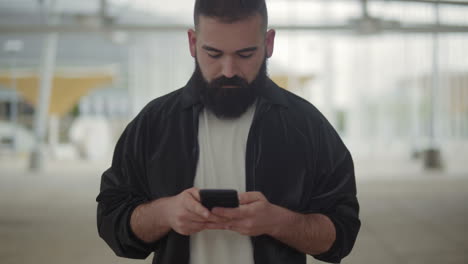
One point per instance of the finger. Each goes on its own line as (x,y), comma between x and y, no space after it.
(234,225)
(217,219)
(192,217)
(215,226)
(229,213)
(250,197)
(243,227)
(197,208)
(195,193)
(211,217)
(194,227)
(240,213)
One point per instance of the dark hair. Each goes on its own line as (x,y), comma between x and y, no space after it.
(230,11)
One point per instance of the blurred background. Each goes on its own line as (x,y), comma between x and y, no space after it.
(390,75)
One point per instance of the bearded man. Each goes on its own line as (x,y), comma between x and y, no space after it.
(230,127)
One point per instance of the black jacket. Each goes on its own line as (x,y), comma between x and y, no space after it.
(294,157)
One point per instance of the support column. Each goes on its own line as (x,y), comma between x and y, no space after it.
(329,87)
(14,47)
(14,107)
(432,155)
(54,134)
(42,107)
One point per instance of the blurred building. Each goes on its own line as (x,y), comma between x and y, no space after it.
(391,76)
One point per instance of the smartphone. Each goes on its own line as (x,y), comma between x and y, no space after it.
(211,198)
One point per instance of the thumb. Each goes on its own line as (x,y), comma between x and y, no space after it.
(250,197)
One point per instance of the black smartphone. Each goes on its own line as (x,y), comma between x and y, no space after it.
(211,198)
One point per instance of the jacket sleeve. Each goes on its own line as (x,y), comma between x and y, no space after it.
(122,189)
(335,192)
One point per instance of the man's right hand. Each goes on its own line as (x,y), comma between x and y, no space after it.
(186,215)
(183,213)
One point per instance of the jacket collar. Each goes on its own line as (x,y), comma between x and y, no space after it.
(271,93)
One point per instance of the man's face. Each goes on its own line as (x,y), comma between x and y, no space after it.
(230,62)
(231,49)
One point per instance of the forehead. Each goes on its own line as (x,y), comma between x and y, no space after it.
(236,35)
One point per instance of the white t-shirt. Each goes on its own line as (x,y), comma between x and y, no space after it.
(221,165)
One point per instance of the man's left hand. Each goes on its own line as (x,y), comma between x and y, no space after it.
(254,216)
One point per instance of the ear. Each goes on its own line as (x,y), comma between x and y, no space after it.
(192,38)
(270,42)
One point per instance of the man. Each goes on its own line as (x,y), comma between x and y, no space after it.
(230,127)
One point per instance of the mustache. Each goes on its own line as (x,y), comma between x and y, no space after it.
(233,81)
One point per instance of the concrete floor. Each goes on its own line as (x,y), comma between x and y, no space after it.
(407,218)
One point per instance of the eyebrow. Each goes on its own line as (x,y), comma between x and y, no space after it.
(208,48)
(247,49)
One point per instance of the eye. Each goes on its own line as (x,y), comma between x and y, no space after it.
(245,55)
(215,55)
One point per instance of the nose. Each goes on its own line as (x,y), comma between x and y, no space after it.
(229,67)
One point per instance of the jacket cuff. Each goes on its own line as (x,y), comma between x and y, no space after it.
(134,240)
(333,255)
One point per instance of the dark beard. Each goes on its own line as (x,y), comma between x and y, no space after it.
(228,102)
